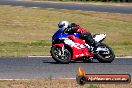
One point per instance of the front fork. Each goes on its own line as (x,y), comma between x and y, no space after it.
(63,50)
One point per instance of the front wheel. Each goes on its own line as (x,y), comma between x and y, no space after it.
(106,56)
(56,53)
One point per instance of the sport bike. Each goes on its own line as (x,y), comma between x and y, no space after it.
(68,47)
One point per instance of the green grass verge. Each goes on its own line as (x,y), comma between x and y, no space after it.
(28,31)
(93,86)
(46,83)
(50,83)
(25,48)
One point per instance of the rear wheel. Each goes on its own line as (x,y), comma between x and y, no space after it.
(56,53)
(105,56)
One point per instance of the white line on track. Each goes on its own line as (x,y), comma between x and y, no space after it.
(15,79)
(50,56)
(39,56)
(34,79)
(35,7)
(66,78)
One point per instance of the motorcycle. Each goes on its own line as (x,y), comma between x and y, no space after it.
(67,47)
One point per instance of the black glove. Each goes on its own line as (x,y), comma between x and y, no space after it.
(73,27)
(67,30)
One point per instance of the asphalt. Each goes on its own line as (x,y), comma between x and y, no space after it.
(45,67)
(83,7)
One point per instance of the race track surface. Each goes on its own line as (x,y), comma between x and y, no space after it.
(45,67)
(83,7)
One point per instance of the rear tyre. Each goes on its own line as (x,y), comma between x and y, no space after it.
(56,53)
(105,57)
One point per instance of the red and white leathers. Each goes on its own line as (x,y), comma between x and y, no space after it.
(85,35)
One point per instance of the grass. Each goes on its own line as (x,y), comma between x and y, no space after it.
(23,48)
(55,84)
(28,31)
(43,84)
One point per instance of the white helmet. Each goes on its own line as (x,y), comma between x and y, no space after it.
(63,25)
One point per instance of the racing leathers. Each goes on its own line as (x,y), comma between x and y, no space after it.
(85,35)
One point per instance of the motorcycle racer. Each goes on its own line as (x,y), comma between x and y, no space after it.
(72,28)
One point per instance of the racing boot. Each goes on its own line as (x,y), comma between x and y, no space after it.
(94,47)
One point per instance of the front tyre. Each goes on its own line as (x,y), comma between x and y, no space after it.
(105,56)
(56,53)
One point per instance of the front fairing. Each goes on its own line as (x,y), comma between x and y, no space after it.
(59,35)
(56,34)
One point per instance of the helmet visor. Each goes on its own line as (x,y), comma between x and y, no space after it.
(61,26)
